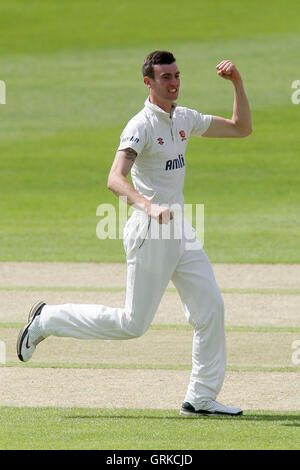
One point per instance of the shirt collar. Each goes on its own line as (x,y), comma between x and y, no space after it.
(157,109)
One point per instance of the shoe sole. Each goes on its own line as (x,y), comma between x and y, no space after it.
(208,413)
(23,332)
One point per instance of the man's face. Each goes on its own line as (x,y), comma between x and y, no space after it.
(166,83)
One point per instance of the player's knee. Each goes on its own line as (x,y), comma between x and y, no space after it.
(135,322)
(135,331)
(133,334)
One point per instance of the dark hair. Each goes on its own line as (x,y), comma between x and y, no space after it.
(156,58)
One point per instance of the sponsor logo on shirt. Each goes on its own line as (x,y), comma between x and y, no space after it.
(175,163)
(160,141)
(131,139)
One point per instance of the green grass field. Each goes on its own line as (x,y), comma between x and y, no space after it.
(72,84)
(71,428)
(73,80)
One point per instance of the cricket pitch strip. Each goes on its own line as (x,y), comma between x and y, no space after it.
(262,304)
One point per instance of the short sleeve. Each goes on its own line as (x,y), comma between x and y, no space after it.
(199,122)
(134,136)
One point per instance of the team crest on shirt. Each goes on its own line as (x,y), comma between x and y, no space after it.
(182,135)
(160,141)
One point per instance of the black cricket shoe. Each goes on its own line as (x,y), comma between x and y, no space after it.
(30,335)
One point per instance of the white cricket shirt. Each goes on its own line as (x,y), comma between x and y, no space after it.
(160,142)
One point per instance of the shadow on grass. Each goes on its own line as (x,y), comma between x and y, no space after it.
(287,420)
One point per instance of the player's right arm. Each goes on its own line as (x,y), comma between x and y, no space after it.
(117,183)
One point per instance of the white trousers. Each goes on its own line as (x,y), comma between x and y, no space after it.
(151,264)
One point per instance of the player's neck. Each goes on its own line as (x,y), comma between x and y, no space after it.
(166,105)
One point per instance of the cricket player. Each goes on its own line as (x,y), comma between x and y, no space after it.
(153,147)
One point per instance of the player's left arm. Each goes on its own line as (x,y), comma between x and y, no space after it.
(240,125)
